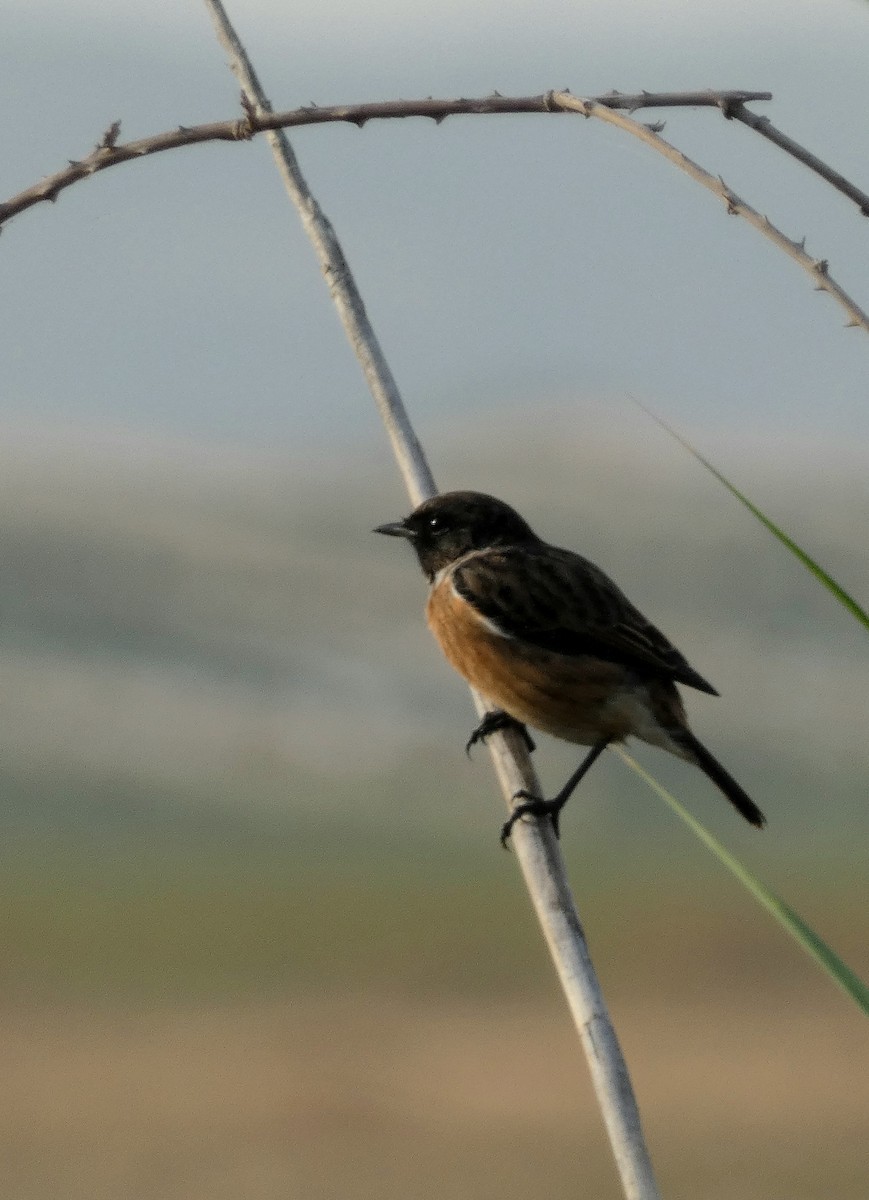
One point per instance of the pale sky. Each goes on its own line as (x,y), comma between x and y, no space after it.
(503,260)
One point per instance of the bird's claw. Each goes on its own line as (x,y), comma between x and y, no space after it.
(531,806)
(493,722)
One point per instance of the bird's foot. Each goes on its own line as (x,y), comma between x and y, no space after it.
(493,722)
(532,806)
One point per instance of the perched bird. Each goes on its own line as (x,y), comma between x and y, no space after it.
(546,636)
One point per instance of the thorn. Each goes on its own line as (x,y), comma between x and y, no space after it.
(439,118)
(656,126)
(74,162)
(359,122)
(852,324)
(181,128)
(496,94)
(820,265)
(801,244)
(729,198)
(110,137)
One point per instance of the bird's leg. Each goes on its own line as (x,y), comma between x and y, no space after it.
(533,806)
(494,721)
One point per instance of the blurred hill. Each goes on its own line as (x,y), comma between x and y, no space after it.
(189,635)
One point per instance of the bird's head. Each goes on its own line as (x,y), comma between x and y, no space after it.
(453,524)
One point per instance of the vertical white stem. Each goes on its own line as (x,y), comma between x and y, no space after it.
(534,842)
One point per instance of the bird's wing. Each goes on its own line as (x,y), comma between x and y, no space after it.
(562,602)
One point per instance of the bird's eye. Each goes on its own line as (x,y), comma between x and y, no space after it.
(437,526)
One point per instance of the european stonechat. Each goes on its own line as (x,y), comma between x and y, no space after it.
(547,637)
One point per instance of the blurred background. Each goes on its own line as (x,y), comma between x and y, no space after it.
(258,935)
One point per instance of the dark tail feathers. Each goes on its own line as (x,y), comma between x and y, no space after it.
(722,780)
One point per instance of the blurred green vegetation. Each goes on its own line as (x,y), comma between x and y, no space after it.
(138,922)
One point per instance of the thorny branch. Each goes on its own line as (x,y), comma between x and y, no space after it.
(611,107)
(817,268)
(257,120)
(737,111)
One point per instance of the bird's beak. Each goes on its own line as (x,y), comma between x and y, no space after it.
(395,529)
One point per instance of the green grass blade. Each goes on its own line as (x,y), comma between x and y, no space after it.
(802,933)
(816,569)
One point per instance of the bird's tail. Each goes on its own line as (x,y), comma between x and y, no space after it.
(696,752)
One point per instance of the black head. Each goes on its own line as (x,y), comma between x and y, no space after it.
(448,526)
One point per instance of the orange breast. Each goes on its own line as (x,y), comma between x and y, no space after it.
(576,698)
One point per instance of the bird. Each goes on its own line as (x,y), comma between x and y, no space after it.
(548,638)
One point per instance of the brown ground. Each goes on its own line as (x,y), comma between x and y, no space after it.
(370,1096)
